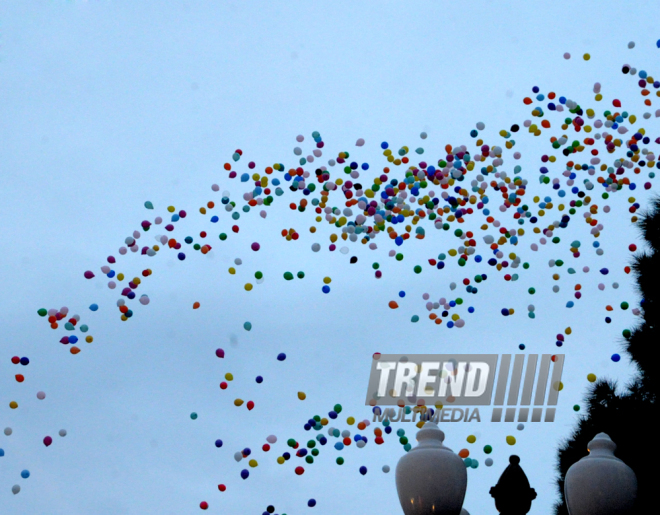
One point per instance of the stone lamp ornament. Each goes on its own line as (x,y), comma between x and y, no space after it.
(600,483)
(431,479)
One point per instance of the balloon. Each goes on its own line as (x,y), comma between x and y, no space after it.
(363,470)
(62,432)
(281,356)
(204,505)
(250,405)
(245,474)
(302,396)
(511,440)
(247,326)
(271,439)
(218,443)
(47,441)
(89,274)
(196,305)
(193,416)
(41,396)
(94,307)
(25,474)
(386,468)
(255,246)
(148,205)
(591,378)
(238,456)
(8,431)
(15,489)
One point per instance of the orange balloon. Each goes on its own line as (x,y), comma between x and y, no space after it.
(464,453)
(393,304)
(74,350)
(196,305)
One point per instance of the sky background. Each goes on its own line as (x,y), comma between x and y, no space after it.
(105,105)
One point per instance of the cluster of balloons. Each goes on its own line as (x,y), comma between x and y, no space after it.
(596,159)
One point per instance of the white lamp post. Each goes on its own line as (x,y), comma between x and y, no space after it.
(431,479)
(600,483)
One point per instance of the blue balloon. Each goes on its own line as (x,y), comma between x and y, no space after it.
(218,443)
(2,453)
(94,307)
(260,379)
(281,356)
(339,446)
(73,339)
(363,470)
(402,294)
(616,358)
(181,256)
(311,503)
(25,474)
(326,288)
(245,474)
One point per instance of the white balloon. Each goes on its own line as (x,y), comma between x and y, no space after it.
(386,468)
(41,396)
(488,462)
(359,142)
(15,489)
(271,439)
(8,431)
(62,432)
(238,456)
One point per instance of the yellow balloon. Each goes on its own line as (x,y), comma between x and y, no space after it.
(327,280)
(89,339)
(558,385)
(350,421)
(591,378)
(229,376)
(510,440)
(586,57)
(120,277)
(248,286)
(13,405)
(253,463)
(280,460)
(324,421)
(420,424)
(232,270)
(302,396)
(238,402)
(471,439)
(170,209)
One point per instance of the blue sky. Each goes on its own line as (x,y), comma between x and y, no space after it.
(105,105)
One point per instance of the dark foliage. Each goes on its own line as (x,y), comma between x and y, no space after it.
(629,417)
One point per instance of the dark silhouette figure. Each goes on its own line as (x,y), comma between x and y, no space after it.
(513,495)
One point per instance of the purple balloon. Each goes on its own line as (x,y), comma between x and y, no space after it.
(47,441)
(220,353)
(89,274)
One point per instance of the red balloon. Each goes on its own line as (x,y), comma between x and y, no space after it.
(222,488)
(204,505)
(266,447)
(250,405)
(300,471)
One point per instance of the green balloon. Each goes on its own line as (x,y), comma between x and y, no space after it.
(417,269)
(337,408)
(42,312)
(301,274)
(288,276)
(340,461)
(193,415)
(148,204)
(488,449)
